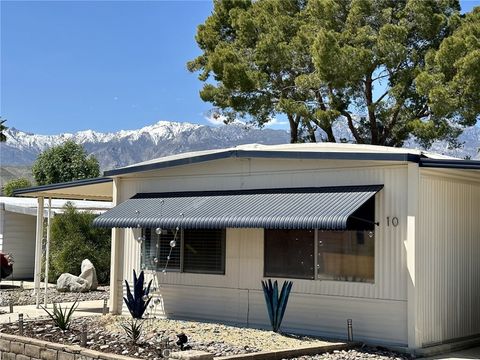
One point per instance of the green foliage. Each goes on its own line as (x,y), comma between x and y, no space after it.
(133,329)
(15,184)
(62,317)
(3,128)
(75,239)
(63,163)
(316,61)
(451,78)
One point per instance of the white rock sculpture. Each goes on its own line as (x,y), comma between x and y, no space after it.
(68,282)
(89,273)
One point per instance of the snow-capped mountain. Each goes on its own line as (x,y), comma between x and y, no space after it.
(130,146)
(165,138)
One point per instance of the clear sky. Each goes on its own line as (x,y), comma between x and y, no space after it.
(101,65)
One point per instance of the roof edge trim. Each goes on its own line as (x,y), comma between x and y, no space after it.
(63,185)
(268,155)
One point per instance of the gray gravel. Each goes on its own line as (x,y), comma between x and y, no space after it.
(26,297)
(364,352)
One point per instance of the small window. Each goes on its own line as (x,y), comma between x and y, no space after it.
(196,251)
(156,249)
(204,251)
(289,253)
(346,256)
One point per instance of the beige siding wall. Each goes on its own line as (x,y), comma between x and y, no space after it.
(19,240)
(322,307)
(448,249)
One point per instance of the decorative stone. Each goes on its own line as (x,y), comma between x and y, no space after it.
(89,273)
(191,355)
(68,282)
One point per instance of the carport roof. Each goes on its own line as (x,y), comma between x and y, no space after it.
(87,189)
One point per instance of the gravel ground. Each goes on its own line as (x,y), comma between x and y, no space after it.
(106,334)
(364,352)
(26,297)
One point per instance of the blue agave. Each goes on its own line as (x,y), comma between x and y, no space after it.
(138,302)
(276,305)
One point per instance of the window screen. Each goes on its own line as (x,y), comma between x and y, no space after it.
(346,256)
(156,249)
(289,253)
(204,251)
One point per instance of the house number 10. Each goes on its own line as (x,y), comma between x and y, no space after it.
(394,221)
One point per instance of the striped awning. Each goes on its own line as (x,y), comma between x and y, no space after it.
(328,208)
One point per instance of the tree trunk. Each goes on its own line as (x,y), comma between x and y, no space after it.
(293,129)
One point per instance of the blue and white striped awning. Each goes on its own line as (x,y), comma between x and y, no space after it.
(328,208)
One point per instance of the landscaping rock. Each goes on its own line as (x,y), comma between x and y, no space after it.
(71,283)
(89,273)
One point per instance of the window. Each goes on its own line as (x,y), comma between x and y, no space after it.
(196,251)
(340,255)
(156,249)
(346,256)
(289,253)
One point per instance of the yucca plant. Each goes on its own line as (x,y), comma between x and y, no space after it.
(133,329)
(138,302)
(276,304)
(62,317)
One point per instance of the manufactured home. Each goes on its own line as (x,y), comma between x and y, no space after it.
(386,237)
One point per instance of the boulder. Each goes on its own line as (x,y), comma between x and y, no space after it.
(89,273)
(68,282)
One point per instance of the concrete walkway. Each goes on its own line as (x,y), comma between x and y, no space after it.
(30,312)
(473,353)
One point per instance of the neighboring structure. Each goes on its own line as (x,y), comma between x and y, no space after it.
(387,237)
(18,229)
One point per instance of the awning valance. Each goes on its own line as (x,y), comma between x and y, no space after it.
(328,208)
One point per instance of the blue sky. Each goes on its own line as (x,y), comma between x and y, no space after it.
(74,65)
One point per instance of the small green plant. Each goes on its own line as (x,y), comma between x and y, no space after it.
(276,305)
(62,317)
(133,329)
(138,301)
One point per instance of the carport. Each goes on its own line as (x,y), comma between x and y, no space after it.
(99,189)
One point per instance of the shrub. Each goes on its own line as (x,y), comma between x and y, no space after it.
(75,239)
(15,184)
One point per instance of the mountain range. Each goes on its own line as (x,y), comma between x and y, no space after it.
(166,138)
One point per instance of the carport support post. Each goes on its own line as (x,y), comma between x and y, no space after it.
(38,249)
(116,262)
(47,250)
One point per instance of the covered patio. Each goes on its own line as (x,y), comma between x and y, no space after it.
(99,189)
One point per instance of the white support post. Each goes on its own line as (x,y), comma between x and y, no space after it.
(116,262)
(38,249)
(47,250)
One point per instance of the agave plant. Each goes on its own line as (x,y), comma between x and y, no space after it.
(133,329)
(62,318)
(138,302)
(276,305)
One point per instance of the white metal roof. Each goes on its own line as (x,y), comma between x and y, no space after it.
(28,206)
(296,149)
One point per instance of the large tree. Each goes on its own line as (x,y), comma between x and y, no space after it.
(451,78)
(320,61)
(65,162)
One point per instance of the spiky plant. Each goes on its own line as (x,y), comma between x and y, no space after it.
(62,318)
(276,304)
(138,302)
(133,329)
